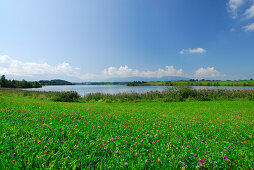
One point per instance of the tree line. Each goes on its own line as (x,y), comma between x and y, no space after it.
(54,82)
(4,83)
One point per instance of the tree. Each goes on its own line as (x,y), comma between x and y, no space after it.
(3,81)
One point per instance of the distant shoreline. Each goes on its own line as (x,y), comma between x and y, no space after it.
(194,83)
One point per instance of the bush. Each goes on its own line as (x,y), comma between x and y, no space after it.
(178,93)
(69,96)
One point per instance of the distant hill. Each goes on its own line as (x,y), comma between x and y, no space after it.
(131,79)
(54,82)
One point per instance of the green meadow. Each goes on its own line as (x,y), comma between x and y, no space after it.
(44,134)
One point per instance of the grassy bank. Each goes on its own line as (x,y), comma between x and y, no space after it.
(175,94)
(195,83)
(152,135)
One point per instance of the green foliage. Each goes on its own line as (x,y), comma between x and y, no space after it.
(4,83)
(69,96)
(136,83)
(179,93)
(193,82)
(171,94)
(54,82)
(38,134)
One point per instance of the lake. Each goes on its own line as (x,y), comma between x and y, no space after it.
(113,89)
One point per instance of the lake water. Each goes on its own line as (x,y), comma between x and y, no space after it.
(113,89)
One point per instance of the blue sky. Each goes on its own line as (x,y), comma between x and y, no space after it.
(92,40)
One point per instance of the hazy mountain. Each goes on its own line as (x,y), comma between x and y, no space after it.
(130,79)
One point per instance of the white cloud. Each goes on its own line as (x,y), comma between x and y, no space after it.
(192,51)
(232,30)
(14,68)
(233,6)
(249,27)
(125,71)
(208,72)
(249,13)
(10,66)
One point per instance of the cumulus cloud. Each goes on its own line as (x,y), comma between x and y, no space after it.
(249,27)
(208,72)
(13,67)
(192,51)
(10,66)
(249,13)
(125,71)
(233,6)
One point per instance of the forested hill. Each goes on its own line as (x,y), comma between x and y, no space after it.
(54,82)
(4,83)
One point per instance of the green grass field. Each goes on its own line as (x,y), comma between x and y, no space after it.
(202,83)
(153,135)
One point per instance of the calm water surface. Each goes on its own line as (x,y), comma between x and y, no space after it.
(113,89)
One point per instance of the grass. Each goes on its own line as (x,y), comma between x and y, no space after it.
(171,94)
(200,83)
(152,135)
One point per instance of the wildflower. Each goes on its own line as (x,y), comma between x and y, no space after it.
(20,143)
(14,154)
(141,161)
(159,160)
(30,149)
(13,160)
(112,139)
(136,153)
(188,146)
(91,140)
(196,148)
(117,152)
(131,137)
(146,160)
(84,145)
(45,147)
(39,141)
(125,163)
(34,140)
(60,128)
(183,163)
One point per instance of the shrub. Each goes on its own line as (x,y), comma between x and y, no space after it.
(69,96)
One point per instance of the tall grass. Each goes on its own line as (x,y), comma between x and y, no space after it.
(175,94)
